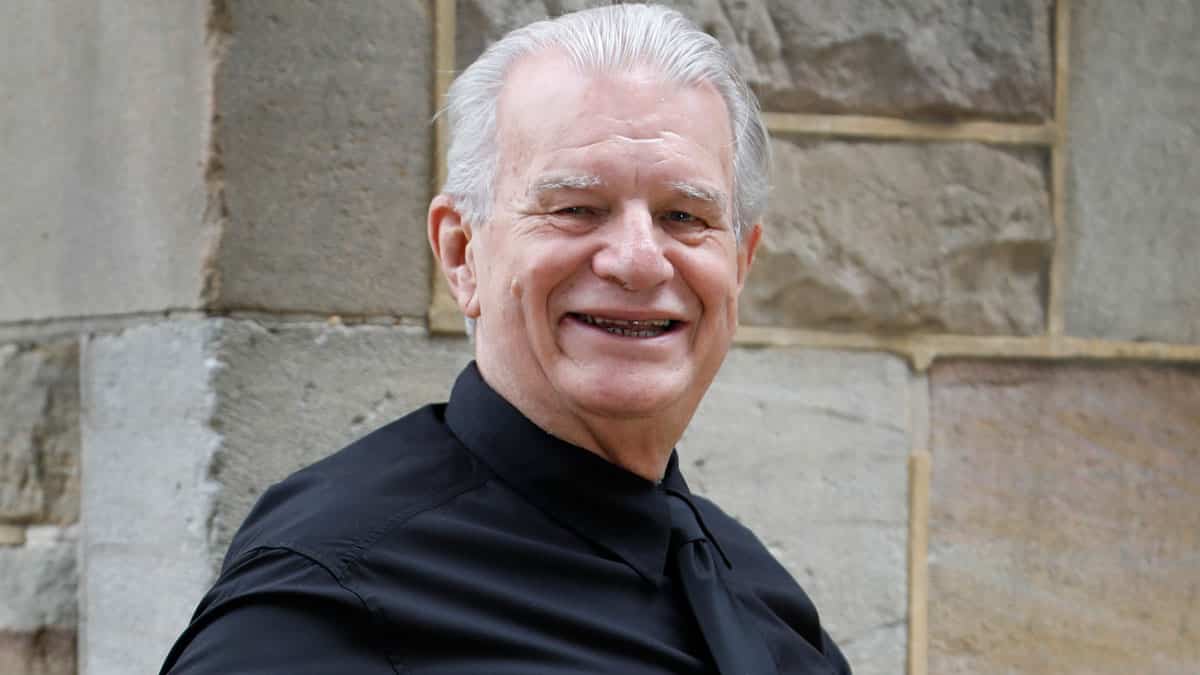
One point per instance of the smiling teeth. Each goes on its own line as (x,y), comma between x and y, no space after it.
(626,323)
(628,327)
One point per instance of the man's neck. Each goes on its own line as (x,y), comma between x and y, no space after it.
(640,445)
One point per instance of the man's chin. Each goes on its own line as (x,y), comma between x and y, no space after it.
(652,394)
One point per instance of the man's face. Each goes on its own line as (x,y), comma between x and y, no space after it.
(608,275)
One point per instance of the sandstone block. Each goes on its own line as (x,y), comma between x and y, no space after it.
(324,139)
(105,135)
(809,449)
(917,57)
(1065,519)
(942,237)
(12,535)
(47,651)
(202,416)
(39,433)
(1133,178)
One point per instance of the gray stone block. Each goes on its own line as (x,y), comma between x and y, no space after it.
(105,118)
(187,422)
(916,57)
(39,433)
(148,498)
(1133,192)
(38,581)
(325,146)
(891,237)
(809,449)
(38,604)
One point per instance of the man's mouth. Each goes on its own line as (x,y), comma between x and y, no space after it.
(637,328)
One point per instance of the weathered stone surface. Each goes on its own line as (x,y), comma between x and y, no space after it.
(46,651)
(290,395)
(325,150)
(39,433)
(952,237)
(38,581)
(12,535)
(1065,519)
(917,57)
(809,449)
(147,495)
(103,122)
(38,609)
(203,415)
(1133,193)
(38,604)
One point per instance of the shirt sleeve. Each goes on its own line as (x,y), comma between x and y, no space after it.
(277,611)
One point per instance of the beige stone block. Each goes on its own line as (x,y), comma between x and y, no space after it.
(915,57)
(892,237)
(39,433)
(12,535)
(1065,519)
(48,651)
(325,145)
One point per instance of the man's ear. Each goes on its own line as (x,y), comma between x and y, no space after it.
(746,253)
(450,238)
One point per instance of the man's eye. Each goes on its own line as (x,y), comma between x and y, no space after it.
(684,218)
(575,211)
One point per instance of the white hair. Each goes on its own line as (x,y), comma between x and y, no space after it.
(604,39)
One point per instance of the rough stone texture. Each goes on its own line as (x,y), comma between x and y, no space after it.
(37,581)
(39,433)
(103,125)
(325,149)
(916,57)
(1133,179)
(12,535)
(147,498)
(943,237)
(37,604)
(1065,519)
(232,407)
(809,449)
(46,651)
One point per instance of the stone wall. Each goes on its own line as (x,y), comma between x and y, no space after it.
(980,257)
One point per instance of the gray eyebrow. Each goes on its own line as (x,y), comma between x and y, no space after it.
(588,181)
(701,193)
(565,182)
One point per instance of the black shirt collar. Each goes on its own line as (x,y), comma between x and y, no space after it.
(615,509)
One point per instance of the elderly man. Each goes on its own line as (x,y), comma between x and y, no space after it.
(607,174)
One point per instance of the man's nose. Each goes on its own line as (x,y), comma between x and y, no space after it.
(633,255)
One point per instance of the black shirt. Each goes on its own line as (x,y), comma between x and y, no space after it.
(463,538)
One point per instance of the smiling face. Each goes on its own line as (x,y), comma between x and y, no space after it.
(605,283)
